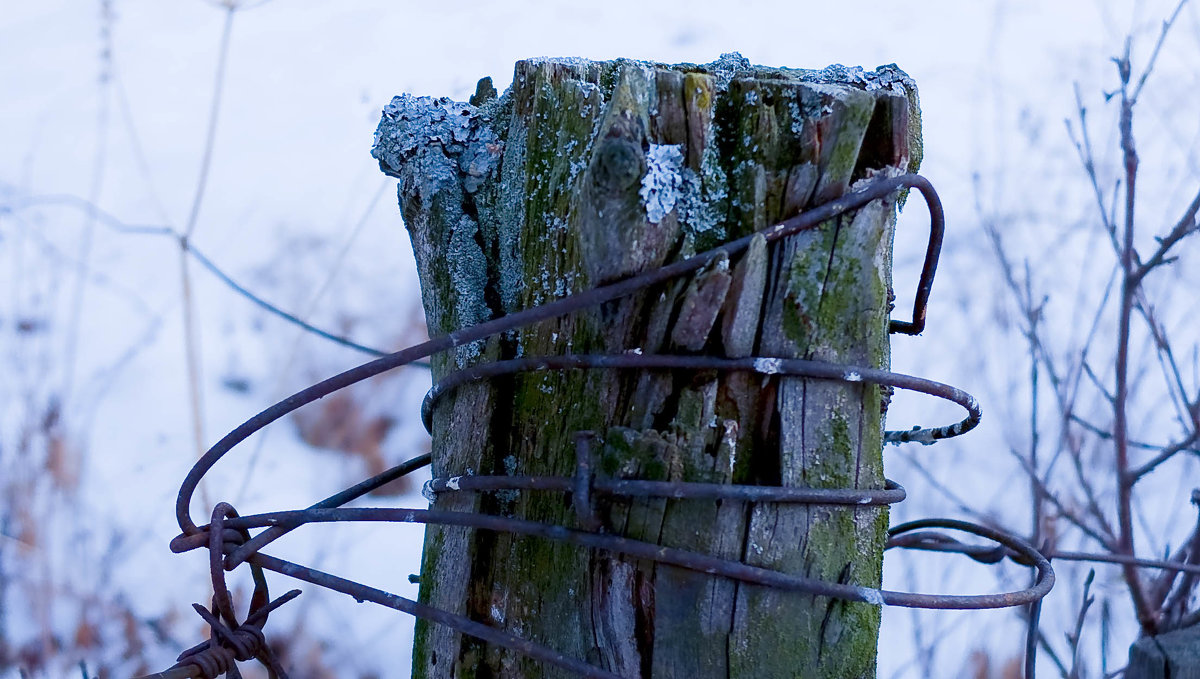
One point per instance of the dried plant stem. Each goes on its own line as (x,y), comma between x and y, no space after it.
(191,338)
(191,350)
(99,161)
(213,114)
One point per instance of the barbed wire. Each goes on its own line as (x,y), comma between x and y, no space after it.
(230,544)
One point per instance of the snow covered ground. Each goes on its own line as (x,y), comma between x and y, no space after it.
(107,104)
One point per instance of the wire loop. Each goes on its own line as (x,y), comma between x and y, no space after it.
(228,538)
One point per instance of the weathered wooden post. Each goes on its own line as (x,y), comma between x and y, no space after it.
(1174,655)
(586,172)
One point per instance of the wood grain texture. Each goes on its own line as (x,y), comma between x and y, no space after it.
(1174,655)
(585,172)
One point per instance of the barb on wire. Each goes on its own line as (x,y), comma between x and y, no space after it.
(231,641)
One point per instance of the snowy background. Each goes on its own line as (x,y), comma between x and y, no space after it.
(105,110)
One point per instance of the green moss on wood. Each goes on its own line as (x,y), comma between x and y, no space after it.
(550,204)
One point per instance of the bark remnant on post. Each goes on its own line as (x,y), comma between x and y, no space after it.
(585,172)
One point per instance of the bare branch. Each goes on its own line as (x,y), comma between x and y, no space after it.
(1162,38)
(1169,565)
(1083,146)
(1068,392)
(1172,375)
(1044,644)
(1073,636)
(1097,382)
(1089,494)
(1166,454)
(1129,282)
(1107,435)
(1102,535)
(1188,553)
(959,503)
(1186,226)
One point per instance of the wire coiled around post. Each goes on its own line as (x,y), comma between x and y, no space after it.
(227,554)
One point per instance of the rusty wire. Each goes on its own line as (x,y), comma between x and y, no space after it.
(228,538)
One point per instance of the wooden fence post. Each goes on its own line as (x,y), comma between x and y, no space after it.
(1173,655)
(585,172)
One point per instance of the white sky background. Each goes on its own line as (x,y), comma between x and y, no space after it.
(292,176)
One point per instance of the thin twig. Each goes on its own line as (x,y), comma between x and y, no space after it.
(1043,642)
(114,223)
(959,503)
(1121,560)
(1186,226)
(1083,146)
(298,322)
(1035,488)
(1103,535)
(1189,553)
(214,110)
(1133,443)
(1073,637)
(1162,38)
(191,339)
(1031,313)
(83,204)
(138,149)
(1098,383)
(1068,391)
(1172,375)
(96,186)
(1166,454)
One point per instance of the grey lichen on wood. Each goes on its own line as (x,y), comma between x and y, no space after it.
(582,173)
